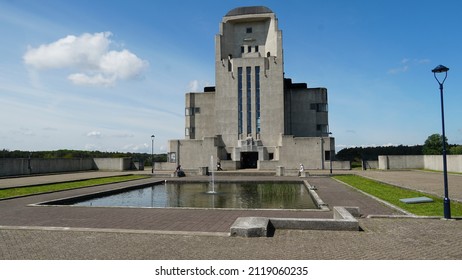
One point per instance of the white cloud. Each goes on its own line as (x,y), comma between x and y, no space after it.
(197,86)
(123,135)
(397,70)
(98,79)
(406,64)
(193,86)
(123,64)
(95,134)
(136,147)
(89,56)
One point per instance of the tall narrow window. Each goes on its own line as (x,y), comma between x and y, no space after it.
(239,100)
(248,71)
(257,97)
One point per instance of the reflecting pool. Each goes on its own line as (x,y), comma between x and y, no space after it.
(195,195)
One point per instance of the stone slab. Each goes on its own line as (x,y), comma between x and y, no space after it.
(250,227)
(413,200)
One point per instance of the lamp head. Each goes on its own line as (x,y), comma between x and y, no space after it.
(440,69)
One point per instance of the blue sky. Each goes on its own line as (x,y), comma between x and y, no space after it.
(106,75)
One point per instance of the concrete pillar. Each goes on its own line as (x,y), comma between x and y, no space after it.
(204,171)
(280,171)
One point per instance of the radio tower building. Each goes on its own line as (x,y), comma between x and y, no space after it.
(254,117)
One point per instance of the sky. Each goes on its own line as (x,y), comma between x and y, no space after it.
(106,75)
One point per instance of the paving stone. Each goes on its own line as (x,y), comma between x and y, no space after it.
(107,237)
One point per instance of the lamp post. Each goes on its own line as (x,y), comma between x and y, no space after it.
(152,153)
(447,202)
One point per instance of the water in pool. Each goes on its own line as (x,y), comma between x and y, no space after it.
(195,195)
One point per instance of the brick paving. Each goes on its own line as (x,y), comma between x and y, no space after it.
(381,239)
(26,232)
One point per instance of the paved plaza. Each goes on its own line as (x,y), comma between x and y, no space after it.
(65,232)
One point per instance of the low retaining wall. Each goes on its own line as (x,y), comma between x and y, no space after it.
(25,166)
(369,164)
(164,166)
(33,166)
(114,164)
(261,226)
(432,162)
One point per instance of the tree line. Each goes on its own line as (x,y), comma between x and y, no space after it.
(432,146)
(142,157)
(372,153)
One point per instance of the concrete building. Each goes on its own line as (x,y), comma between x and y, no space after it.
(254,117)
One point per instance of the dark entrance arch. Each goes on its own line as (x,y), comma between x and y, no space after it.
(249,159)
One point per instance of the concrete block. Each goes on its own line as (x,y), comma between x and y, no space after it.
(250,227)
(340,213)
(260,226)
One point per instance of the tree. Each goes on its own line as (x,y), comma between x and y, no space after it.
(434,145)
(455,150)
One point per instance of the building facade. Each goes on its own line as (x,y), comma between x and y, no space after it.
(254,117)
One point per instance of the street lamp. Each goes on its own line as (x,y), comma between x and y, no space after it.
(152,153)
(447,202)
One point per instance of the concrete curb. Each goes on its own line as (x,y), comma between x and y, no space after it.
(343,220)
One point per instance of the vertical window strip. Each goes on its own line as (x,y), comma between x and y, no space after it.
(249,98)
(257,97)
(239,100)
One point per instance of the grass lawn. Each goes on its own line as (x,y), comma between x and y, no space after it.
(393,194)
(20,191)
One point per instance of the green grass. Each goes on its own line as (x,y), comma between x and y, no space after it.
(393,194)
(21,191)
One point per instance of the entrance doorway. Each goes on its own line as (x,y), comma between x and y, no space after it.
(249,159)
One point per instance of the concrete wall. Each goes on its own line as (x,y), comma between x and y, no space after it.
(291,151)
(200,115)
(114,164)
(310,151)
(432,162)
(370,164)
(192,154)
(340,165)
(163,166)
(25,166)
(305,109)
(436,163)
